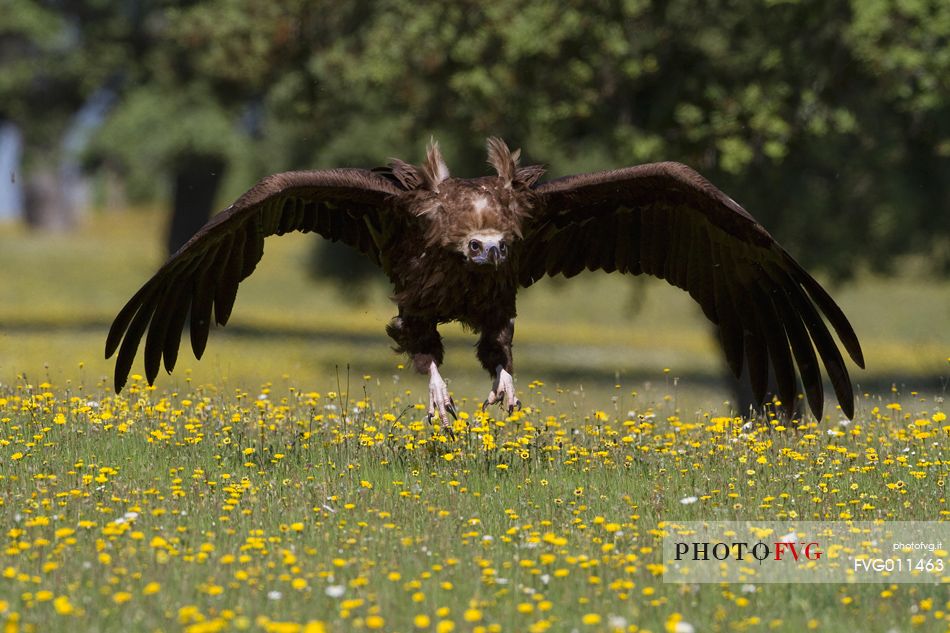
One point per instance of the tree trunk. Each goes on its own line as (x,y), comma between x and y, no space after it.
(197,180)
(45,203)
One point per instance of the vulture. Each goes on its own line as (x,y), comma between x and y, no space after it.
(458,249)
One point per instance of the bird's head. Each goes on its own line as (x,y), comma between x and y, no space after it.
(480,218)
(486,247)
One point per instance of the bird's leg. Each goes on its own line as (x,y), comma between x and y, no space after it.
(419,338)
(439,398)
(503,391)
(494,352)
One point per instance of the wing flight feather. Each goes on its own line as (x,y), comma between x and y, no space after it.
(666,220)
(199,283)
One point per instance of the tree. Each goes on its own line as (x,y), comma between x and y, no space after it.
(810,113)
(799,107)
(54,60)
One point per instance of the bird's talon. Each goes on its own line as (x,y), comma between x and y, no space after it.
(439,399)
(503,392)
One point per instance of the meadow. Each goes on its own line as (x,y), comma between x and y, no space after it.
(290,483)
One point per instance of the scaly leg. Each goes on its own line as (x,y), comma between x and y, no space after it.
(439,398)
(420,339)
(494,352)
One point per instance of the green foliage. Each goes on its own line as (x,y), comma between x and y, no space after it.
(152,128)
(811,114)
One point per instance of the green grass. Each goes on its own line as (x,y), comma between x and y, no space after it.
(234,496)
(210,510)
(58,294)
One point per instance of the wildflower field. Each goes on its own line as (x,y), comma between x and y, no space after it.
(290,510)
(263,490)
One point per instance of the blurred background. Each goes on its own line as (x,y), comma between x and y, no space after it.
(124,124)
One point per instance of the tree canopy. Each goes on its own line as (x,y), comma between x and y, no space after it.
(829,121)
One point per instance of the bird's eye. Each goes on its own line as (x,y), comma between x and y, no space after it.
(475,246)
(503,248)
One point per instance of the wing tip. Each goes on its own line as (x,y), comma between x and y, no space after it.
(119,381)
(848,408)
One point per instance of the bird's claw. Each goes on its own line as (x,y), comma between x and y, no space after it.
(450,409)
(439,399)
(503,392)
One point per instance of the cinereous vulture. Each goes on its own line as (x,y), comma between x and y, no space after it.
(458,249)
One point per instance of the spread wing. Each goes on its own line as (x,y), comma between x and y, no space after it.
(345,205)
(666,220)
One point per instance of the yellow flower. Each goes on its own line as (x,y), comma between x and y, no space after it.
(591,619)
(472,615)
(421,621)
(121,597)
(375,622)
(62,605)
(151,589)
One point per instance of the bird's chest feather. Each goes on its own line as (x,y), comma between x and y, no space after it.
(442,287)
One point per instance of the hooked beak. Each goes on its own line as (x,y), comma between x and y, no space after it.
(487,250)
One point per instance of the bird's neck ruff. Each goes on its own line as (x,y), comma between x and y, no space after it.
(454,208)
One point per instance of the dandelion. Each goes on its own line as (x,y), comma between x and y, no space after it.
(472,615)
(421,621)
(151,589)
(61,604)
(591,619)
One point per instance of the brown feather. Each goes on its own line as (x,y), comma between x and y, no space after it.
(157,330)
(722,311)
(203,276)
(434,171)
(690,233)
(800,343)
(662,219)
